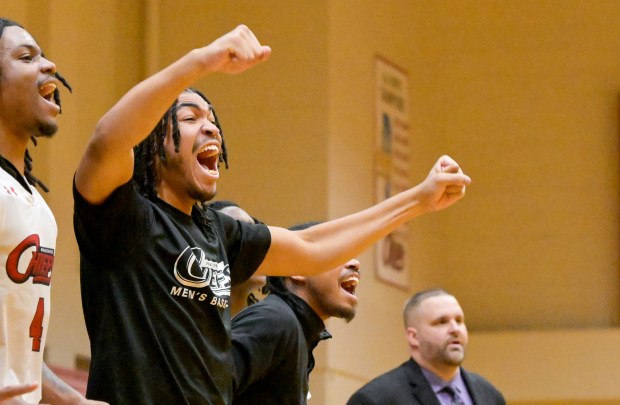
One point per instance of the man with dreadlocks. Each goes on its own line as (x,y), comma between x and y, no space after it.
(274,339)
(29,105)
(157,266)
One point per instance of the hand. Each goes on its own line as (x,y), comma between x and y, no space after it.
(234,52)
(9,394)
(444,185)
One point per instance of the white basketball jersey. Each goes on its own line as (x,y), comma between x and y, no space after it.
(27,243)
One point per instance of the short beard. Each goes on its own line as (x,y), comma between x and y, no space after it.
(344,313)
(450,359)
(201,197)
(47,130)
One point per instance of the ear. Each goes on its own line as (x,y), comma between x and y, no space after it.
(298,280)
(412,337)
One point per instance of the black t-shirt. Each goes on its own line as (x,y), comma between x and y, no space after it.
(272,350)
(155,293)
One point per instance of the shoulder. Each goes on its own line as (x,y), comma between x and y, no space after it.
(272,313)
(266,327)
(393,377)
(383,388)
(482,389)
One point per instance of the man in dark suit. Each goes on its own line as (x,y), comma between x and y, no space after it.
(437,336)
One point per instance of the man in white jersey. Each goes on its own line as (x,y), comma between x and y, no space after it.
(29,104)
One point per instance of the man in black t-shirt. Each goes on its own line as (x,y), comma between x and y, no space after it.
(157,267)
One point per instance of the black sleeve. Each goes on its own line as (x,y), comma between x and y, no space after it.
(116,223)
(246,245)
(359,398)
(262,338)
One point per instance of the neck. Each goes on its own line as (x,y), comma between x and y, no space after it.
(312,304)
(13,150)
(172,199)
(445,372)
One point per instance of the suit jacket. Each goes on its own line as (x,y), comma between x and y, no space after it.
(406,385)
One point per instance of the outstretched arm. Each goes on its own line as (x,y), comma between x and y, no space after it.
(331,243)
(108,160)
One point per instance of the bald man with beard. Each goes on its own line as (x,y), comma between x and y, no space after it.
(437,337)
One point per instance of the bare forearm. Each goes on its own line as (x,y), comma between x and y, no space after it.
(133,117)
(56,391)
(137,112)
(329,244)
(108,160)
(325,246)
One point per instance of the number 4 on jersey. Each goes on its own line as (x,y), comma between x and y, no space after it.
(36,326)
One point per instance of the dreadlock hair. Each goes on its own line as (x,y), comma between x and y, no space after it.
(4,22)
(276,284)
(151,148)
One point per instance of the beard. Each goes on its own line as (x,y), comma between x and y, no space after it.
(452,357)
(346,313)
(331,306)
(442,354)
(47,129)
(200,195)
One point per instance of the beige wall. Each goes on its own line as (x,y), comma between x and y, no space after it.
(523,93)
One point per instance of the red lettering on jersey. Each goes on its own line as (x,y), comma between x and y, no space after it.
(10,190)
(39,267)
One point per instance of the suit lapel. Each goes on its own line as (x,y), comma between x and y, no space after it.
(475,390)
(420,388)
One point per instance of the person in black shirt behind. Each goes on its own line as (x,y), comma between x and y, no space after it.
(250,291)
(273,340)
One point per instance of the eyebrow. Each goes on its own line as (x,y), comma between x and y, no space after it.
(30,47)
(195,106)
(192,105)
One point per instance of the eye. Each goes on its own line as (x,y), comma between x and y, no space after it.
(27,57)
(188,118)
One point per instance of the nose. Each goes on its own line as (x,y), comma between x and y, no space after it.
(47,66)
(455,325)
(209,128)
(353,264)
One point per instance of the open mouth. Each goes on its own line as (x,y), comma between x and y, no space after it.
(350,283)
(208,158)
(47,91)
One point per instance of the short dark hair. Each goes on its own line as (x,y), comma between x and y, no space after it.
(417,299)
(5,22)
